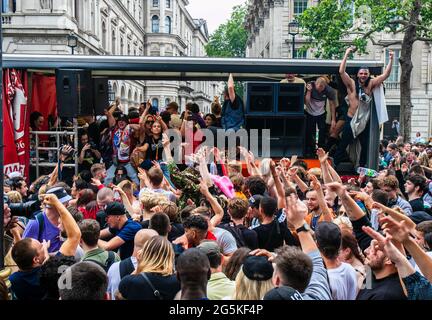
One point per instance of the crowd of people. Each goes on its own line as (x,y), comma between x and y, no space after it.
(281,231)
(135,225)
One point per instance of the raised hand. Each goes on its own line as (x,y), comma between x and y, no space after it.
(336,187)
(322,155)
(51,200)
(315,184)
(398,230)
(383,243)
(296,211)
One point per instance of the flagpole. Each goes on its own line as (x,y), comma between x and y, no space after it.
(1,143)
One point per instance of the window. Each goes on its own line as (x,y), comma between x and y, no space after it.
(77,9)
(129,49)
(299,6)
(168,4)
(155,3)
(155,24)
(113,42)
(394,75)
(167,24)
(167,101)
(9,6)
(93,17)
(104,36)
(300,53)
(121,46)
(155,102)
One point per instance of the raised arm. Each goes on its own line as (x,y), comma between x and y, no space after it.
(280,192)
(69,247)
(348,82)
(110,117)
(376,82)
(352,209)
(219,213)
(327,215)
(231,88)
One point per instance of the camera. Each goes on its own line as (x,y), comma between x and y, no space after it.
(62,151)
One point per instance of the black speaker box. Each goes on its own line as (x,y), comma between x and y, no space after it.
(100,95)
(74,89)
(260,98)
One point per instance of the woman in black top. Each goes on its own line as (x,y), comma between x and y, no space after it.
(154,278)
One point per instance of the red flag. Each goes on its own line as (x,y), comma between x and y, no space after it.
(16,122)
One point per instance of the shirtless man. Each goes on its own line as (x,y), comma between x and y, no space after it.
(359,99)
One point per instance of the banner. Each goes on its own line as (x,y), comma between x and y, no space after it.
(43,98)
(16,122)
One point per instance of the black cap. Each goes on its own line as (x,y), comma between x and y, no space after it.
(255,200)
(257,268)
(283,293)
(115,209)
(328,235)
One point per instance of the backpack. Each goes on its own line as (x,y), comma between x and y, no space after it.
(109,261)
(126,267)
(40,220)
(236,232)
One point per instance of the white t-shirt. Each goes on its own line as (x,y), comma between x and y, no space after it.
(114,277)
(343,282)
(226,240)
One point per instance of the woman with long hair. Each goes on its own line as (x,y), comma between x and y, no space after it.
(154,278)
(254,279)
(350,253)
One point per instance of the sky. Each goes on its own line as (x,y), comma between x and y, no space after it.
(215,12)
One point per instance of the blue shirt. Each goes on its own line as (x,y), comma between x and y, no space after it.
(418,287)
(25,285)
(127,234)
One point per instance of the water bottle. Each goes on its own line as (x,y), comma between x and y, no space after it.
(367,172)
(50,156)
(213,169)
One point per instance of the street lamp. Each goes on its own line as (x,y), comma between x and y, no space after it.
(72,42)
(293,29)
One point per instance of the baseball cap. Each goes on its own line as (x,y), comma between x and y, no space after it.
(255,200)
(328,235)
(209,247)
(115,209)
(60,193)
(283,293)
(257,268)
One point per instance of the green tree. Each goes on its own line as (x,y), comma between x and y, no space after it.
(332,26)
(229,40)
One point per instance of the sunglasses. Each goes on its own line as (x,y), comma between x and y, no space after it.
(147,122)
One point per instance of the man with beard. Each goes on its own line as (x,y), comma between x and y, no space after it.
(384,282)
(98,172)
(359,102)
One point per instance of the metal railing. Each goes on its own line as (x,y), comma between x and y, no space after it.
(58,134)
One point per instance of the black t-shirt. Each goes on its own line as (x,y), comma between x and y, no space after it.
(388,288)
(270,237)
(135,287)
(25,285)
(155,149)
(244,236)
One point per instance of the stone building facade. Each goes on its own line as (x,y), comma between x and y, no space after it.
(267,24)
(113,27)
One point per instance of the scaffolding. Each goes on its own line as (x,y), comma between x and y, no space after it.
(36,162)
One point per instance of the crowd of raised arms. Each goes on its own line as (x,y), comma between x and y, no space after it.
(134,225)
